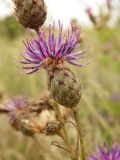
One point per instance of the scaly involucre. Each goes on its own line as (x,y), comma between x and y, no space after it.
(45,51)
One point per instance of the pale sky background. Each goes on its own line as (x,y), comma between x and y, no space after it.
(63,10)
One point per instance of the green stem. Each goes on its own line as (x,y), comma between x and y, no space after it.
(76,116)
(65,138)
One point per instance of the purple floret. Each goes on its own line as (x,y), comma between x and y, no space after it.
(43,52)
(103,154)
(15,107)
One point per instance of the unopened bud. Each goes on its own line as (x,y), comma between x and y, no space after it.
(91,15)
(30,13)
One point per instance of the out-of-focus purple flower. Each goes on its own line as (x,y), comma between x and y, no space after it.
(15,109)
(115,97)
(92,17)
(46,51)
(89,11)
(104,154)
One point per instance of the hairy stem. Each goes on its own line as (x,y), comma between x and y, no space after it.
(65,135)
(76,116)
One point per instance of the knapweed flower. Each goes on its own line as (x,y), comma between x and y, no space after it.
(16,109)
(104,154)
(52,50)
(50,53)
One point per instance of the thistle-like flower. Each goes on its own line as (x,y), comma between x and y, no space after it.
(16,109)
(104,154)
(47,52)
(51,53)
(91,15)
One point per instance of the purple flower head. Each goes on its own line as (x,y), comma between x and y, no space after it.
(89,11)
(104,154)
(16,108)
(46,51)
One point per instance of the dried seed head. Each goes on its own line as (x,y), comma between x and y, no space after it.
(30,13)
(52,128)
(42,117)
(44,122)
(38,116)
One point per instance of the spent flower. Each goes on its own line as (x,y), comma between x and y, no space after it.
(16,109)
(34,116)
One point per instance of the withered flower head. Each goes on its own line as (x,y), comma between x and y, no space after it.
(16,109)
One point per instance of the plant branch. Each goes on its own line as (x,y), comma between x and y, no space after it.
(65,135)
(75,113)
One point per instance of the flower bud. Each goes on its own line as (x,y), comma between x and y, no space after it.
(91,15)
(64,86)
(30,13)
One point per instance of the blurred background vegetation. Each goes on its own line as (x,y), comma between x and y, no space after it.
(99,108)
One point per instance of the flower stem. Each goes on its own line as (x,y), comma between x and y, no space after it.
(76,116)
(65,138)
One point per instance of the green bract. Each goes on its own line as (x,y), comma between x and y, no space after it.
(64,86)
